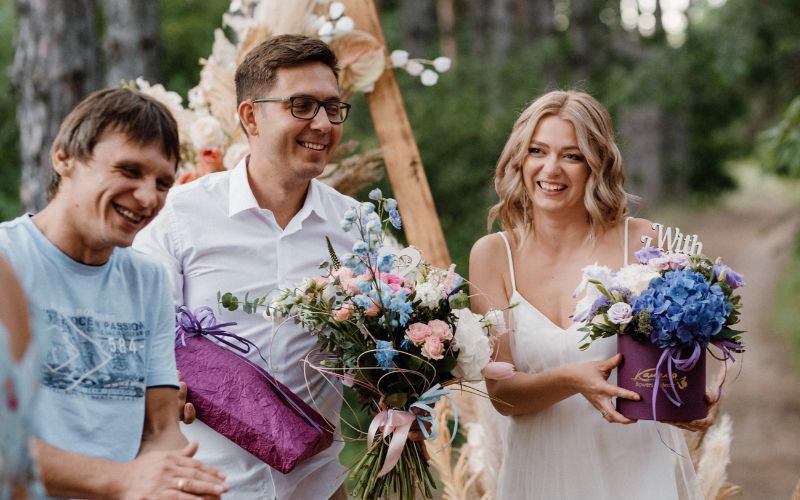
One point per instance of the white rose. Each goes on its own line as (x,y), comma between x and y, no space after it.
(635,277)
(206,133)
(472,344)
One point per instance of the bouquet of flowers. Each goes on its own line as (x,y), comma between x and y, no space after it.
(679,304)
(399,331)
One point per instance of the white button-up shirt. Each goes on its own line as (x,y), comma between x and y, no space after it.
(213,236)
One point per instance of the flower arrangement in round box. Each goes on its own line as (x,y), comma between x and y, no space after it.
(667,310)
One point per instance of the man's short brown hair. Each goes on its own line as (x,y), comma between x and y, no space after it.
(259,69)
(139,117)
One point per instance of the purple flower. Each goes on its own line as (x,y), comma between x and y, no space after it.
(644,254)
(620,313)
(731,277)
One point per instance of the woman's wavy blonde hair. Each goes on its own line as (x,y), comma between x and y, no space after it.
(605,199)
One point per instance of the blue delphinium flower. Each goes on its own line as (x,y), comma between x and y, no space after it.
(375,194)
(390,204)
(384,354)
(400,305)
(683,308)
(386,262)
(360,248)
(394,218)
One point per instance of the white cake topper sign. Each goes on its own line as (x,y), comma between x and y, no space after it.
(672,240)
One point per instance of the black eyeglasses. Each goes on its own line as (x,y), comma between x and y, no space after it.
(306,108)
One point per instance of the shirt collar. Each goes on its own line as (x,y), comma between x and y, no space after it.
(241,196)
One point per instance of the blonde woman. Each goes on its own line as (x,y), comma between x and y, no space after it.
(562,206)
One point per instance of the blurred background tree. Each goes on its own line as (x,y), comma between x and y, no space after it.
(691,83)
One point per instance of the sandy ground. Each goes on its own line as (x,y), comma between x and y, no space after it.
(755,231)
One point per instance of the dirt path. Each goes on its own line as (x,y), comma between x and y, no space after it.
(755,232)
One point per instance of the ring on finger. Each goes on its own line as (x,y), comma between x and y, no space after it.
(181,484)
(603,413)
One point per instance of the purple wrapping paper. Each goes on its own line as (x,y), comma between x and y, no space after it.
(637,373)
(238,399)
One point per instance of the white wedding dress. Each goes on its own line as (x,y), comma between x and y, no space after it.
(568,451)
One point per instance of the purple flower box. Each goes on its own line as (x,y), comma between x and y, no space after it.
(637,373)
(247,405)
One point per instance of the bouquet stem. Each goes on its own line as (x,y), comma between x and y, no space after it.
(410,474)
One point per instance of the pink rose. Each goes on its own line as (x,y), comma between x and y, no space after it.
(677,260)
(344,312)
(440,330)
(373,310)
(394,281)
(659,263)
(418,332)
(433,348)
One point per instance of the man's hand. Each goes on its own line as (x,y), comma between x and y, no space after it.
(170,475)
(186,411)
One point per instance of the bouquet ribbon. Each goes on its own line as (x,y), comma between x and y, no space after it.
(674,360)
(398,424)
(203,322)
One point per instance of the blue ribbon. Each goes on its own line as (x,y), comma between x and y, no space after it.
(425,403)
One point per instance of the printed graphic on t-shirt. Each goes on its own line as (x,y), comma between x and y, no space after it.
(95,355)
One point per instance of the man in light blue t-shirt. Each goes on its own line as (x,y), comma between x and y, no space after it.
(107,415)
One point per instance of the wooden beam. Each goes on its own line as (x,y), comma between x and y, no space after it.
(403,163)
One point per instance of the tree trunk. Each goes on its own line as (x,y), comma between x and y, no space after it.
(55,66)
(446,18)
(641,143)
(132,42)
(418,23)
(502,29)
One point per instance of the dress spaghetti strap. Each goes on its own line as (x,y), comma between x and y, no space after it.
(510,262)
(625,260)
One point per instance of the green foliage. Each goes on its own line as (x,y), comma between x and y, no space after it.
(187,34)
(9,136)
(780,149)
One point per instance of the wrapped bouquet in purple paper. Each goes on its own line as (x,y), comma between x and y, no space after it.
(668,308)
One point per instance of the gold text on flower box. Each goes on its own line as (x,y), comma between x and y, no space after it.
(644,378)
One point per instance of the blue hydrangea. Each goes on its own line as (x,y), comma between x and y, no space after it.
(362,301)
(683,308)
(375,194)
(390,204)
(384,354)
(346,225)
(367,208)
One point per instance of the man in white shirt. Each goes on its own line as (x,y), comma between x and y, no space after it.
(260,227)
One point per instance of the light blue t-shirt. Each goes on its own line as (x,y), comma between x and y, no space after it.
(110,331)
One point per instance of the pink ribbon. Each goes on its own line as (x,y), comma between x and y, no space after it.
(394,422)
